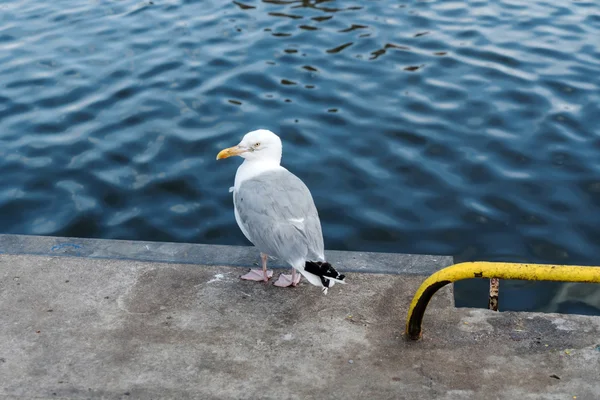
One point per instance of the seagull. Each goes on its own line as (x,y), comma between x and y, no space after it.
(276,212)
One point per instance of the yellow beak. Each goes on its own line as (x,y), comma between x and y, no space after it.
(231,151)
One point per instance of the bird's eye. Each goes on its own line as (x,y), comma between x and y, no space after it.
(256,144)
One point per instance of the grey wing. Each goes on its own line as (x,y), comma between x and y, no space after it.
(277,212)
(316,247)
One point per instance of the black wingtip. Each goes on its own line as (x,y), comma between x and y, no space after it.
(325,271)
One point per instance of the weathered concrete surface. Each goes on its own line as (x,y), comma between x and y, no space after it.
(90,328)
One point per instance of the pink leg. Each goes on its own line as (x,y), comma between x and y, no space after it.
(289,280)
(258,275)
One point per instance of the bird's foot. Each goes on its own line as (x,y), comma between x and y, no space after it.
(257,275)
(288,280)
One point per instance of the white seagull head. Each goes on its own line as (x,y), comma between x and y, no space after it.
(259,145)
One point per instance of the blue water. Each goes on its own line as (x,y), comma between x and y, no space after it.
(449,127)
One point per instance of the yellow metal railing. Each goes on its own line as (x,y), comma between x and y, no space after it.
(501,270)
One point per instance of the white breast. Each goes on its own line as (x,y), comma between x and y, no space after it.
(251,168)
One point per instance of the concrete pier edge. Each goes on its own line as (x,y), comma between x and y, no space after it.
(211,255)
(111,319)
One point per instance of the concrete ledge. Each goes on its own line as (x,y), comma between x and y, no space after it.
(202,254)
(84,328)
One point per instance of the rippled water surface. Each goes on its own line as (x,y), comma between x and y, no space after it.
(447,127)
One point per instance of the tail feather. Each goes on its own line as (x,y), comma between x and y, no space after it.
(325,272)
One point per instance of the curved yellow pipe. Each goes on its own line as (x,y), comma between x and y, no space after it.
(502,270)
